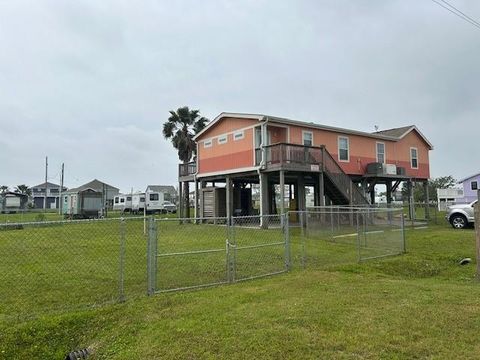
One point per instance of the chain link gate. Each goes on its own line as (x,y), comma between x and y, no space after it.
(199,252)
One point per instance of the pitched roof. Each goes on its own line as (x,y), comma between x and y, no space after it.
(50,185)
(167,189)
(395,132)
(96,185)
(468,178)
(392,134)
(401,132)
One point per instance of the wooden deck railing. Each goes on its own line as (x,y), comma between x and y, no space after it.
(187,169)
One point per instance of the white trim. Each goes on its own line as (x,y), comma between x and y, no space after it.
(413,127)
(348,148)
(229,132)
(207,143)
(222,139)
(231,171)
(224,115)
(384,151)
(411,157)
(303,137)
(240,133)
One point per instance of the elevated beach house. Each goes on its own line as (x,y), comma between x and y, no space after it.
(241,154)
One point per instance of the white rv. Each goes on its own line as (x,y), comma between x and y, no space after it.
(154,201)
(118,202)
(138,203)
(122,202)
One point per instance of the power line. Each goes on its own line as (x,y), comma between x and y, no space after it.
(468,17)
(458,13)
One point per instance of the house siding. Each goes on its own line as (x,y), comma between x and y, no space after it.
(362,149)
(469,194)
(234,154)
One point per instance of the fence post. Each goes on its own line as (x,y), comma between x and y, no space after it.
(358,239)
(151,257)
(303,238)
(121,275)
(286,232)
(403,234)
(230,255)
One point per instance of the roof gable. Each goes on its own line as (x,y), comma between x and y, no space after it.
(96,185)
(167,189)
(401,132)
(468,178)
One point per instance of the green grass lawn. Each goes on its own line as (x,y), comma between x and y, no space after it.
(418,305)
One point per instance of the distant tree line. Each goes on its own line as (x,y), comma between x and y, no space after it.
(419,195)
(19,189)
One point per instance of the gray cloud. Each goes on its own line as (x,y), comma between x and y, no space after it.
(90,83)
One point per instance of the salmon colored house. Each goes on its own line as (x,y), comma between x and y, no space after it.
(343,166)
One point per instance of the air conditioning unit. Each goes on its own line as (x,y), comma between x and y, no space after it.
(401,171)
(375,168)
(390,169)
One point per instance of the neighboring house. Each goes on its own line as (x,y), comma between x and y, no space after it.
(46,195)
(169,192)
(342,165)
(470,185)
(109,192)
(446,197)
(11,202)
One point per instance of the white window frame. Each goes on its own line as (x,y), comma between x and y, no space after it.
(348,148)
(238,135)
(411,158)
(304,132)
(208,143)
(384,151)
(222,139)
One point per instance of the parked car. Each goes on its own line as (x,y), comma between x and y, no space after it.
(461,215)
(169,207)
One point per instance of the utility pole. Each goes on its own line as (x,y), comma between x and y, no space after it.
(46,184)
(60,199)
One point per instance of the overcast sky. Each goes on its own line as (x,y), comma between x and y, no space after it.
(90,83)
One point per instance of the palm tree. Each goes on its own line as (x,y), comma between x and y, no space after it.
(180,128)
(23,189)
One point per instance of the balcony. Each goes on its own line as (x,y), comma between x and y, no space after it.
(186,171)
(291,157)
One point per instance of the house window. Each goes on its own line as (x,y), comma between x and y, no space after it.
(154,197)
(129,198)
(414,158)
(122,200)
(307,138)
(222,139)
(207,143)
(142,199)
(474,185)
(239,135)
(381,152)
(343,149)
(116,200)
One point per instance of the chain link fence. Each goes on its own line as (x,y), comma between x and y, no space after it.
(56,266)
(335,235)
(63,265)
(200,252)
